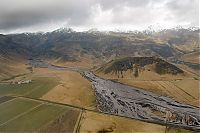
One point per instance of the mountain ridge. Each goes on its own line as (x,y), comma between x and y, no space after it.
(66,45)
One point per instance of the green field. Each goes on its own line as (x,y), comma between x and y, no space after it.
(36,89)
(5,99)
(26,115)
(34,119)
(15,107)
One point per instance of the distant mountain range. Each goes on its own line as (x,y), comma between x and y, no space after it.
(66,45)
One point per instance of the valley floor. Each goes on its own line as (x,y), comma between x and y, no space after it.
(17,116)
(70,101)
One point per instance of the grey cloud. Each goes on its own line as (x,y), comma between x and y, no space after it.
(184,10)
(106,4)
(16,14)
(76,12)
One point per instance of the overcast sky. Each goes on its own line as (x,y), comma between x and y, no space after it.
(47,15)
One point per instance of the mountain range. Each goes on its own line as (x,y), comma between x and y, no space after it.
(95,47)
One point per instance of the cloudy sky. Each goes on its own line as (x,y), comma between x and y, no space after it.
(47,15)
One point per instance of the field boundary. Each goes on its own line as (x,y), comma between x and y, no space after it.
(29,110)
(8,101)
(77,125)
(183,90)
(85,109)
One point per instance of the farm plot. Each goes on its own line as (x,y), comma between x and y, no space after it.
(73,89)
(34,119)
(36,89)
(5,99)
(178,130)
(151,86)
(179,93)
(13,108)
(95,122)
(186,90)
(44,86)
(191,87)
(66,123)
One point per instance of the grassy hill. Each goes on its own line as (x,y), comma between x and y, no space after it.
(133,67)
(12,66)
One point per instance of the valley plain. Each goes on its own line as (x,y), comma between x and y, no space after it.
(44,89)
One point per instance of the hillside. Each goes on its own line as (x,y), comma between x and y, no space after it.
(193,57)
(67,46)
(12,65)
(137,67)
(91,49)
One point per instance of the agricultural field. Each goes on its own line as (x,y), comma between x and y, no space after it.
(26,115)
(188,93)
(92,122)
(14,108)
(59,75)
(192,57)
(59,86)
(191,87)
(5,98)
(73,89)
(65,123)
(37,88)
(178,130)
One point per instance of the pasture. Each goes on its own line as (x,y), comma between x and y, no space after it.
(26,115)
(36,89)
